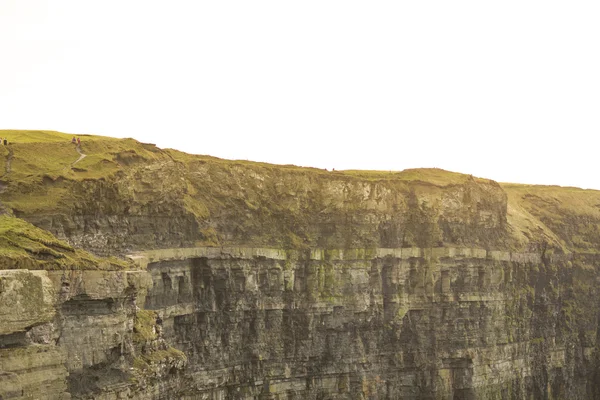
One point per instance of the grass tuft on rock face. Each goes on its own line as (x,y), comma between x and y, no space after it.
(24,246)
(143,330)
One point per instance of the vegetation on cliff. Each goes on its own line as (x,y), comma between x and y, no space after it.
(126,196)
(154,357)
(567,217)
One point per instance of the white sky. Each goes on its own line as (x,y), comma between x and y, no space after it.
(507,90)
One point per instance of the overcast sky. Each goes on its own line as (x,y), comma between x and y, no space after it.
(507,90)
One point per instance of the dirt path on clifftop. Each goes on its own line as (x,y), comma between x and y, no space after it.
(81,155)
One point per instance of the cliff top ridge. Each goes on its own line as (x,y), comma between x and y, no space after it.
(126,196)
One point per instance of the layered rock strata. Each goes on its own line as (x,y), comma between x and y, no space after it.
(64,323)
(438,323)
(242,323)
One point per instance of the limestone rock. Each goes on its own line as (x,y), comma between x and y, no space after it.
(26,300)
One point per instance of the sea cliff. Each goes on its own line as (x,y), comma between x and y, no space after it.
(137,272)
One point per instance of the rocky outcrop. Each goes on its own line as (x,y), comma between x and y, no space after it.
(66,330)
(25,300)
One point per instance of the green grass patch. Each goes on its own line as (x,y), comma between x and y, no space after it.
(143,329)
(44,164)
(36,136)
(435,176)
(104,157)
(566,217)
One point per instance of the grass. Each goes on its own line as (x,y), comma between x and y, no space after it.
(575,200)
(143,329)
(34,160)
(22,245)
(36,136)
(435,176)
(266,204)
(192,159)
(150,362)
(43,163)
(50,154)
(566,216)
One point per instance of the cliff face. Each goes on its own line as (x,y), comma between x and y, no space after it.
(438,323)
(250,280)
(441,323)
(62,322)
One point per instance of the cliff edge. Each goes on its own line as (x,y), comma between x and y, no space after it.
(129,271)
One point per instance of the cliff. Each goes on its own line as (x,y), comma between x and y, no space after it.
(137,272)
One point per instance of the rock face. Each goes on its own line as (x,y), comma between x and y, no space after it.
(441,323)
(410,323)
(252,281)
(25,300)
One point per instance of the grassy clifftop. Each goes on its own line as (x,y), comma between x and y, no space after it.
(567,216)
(125,195)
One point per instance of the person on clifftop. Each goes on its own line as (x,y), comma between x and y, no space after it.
(78,141)
(73,140)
